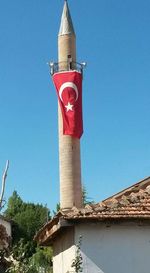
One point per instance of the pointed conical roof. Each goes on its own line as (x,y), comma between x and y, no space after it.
(66,26)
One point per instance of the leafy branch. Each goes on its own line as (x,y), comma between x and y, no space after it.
(77,263)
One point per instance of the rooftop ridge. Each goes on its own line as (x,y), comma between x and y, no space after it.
(129,189)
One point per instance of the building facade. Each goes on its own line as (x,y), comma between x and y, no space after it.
(5,233)
(115,234)
(5,240)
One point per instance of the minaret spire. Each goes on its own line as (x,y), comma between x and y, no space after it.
(66,26)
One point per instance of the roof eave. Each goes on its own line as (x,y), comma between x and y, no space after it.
(49,233)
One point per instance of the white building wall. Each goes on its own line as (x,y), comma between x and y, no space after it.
(7,225)
(115,249)
(64,252)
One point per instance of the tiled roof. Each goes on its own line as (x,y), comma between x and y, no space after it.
(132,203)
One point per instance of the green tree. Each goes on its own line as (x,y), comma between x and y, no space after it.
(27,219)
(14,205)
(86,200)
(42,258)
(77,263)
(57,209)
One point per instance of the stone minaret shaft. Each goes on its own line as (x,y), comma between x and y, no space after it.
(69,147)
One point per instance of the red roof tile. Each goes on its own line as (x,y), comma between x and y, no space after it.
(132,203)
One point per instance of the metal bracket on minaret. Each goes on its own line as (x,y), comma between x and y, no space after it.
(71,66)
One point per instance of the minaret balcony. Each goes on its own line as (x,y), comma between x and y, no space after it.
(66,66)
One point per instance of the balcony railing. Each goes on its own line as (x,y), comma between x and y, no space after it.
(66,66)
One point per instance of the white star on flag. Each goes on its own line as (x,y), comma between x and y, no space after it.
(69,107)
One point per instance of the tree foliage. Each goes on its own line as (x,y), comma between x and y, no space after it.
(27,219)
(77,263)
(42,257)
(85,198)
(57,209)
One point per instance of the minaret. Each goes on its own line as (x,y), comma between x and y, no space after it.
(69,147)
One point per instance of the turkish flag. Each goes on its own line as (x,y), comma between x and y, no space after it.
(69,91)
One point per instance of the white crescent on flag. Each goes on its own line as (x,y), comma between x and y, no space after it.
(71,85)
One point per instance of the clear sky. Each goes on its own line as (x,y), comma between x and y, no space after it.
(113,36)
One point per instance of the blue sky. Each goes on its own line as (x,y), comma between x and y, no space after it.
(113,37)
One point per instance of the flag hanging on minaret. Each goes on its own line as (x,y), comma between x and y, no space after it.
(69,91)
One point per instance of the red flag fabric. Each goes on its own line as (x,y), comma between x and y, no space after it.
(69,91)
